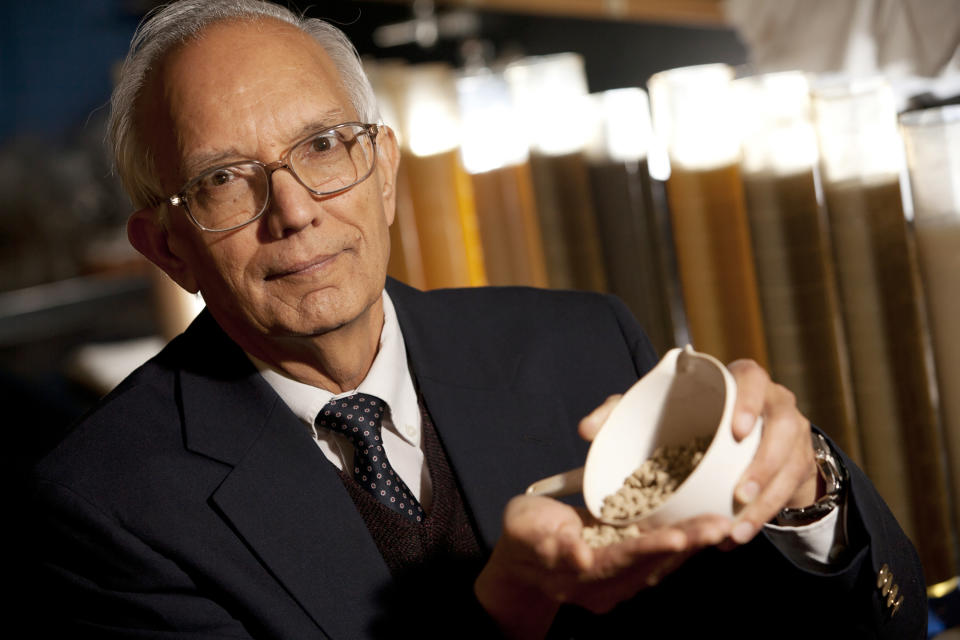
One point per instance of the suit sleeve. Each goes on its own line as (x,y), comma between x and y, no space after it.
(760,577)
(641,349)
(95,579)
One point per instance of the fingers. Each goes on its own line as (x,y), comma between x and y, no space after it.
(752,382)
(623,569)
(550,535)
(545,532)
(530,519)
(705,531)
(782,471)
(591,424)
(683,537)
(779,436)
(574,549)
(663,540)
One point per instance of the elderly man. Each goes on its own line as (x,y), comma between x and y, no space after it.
(328,453)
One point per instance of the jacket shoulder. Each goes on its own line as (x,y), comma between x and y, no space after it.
(543,309)
(136,421)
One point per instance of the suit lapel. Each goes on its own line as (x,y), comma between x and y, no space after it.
(281,496)
(498,443)
(499,438)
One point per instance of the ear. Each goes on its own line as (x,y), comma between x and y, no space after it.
(388,163)
(150,237)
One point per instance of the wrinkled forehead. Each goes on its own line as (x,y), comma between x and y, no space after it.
(240,88)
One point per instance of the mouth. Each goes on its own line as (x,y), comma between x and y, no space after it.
(306,267)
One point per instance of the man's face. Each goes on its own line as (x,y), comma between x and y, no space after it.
(250,90)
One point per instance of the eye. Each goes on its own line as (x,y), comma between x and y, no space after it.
(217,178)
(221,177)
(321,144)
(224,183)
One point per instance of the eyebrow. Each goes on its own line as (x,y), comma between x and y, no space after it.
(202,161)
(327,120)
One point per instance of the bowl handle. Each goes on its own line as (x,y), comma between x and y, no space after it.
(559,485)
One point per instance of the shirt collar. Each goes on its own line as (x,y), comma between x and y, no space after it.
(389,379)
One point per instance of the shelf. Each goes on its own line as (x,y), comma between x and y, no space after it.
(686,12)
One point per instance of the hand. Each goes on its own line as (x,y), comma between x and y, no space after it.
(783,472)
(542,561)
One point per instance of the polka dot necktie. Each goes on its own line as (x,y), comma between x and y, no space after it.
(358,418)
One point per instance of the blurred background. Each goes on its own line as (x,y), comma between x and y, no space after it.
(778,180)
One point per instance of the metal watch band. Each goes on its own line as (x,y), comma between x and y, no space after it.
(834,476)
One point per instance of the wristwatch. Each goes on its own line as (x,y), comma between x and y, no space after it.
(834,477)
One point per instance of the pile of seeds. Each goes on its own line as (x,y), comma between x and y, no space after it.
(647,488)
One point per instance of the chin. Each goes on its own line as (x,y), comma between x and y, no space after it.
(315,321)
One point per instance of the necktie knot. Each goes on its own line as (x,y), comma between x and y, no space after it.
(359,417)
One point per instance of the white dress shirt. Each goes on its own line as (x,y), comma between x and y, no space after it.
(813,546)
(388,379)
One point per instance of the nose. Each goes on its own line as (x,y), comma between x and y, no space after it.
(292,208)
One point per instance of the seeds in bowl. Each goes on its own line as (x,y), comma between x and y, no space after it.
(645,489)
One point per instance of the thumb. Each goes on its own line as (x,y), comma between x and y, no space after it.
(590,425)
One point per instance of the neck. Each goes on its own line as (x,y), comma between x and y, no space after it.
(337,360)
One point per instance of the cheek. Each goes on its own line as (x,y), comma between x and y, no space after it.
(234,268)
(224,265)
(363,215)
(376,221)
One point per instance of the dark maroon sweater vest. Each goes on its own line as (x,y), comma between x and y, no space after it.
(446,535)
(433,563)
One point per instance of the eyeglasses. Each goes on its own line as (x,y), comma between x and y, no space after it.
(328,162)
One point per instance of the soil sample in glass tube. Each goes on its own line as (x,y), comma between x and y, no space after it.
(795,272)
(862,160)
(495,152)
(440,190)
(631,237)
(550,93)
(509,226)
(932,138)
(693,114)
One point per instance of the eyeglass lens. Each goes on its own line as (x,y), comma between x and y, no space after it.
(325,163)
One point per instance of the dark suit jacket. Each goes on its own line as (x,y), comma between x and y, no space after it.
(192,503)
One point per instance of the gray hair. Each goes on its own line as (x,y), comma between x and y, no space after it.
(178,22)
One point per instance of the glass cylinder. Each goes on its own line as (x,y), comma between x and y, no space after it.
(440,191)
(550,93)
(495,152)
(862,160)
(932,140)
(693,113)
(794,266)
(632,237)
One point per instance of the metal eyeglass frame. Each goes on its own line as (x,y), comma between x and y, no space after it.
(180,198)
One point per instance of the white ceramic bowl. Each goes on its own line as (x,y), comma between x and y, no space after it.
(687,395)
